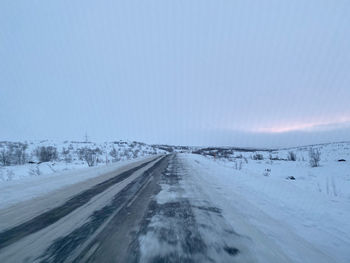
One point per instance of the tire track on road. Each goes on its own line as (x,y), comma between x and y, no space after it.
(66,248)
(43,220)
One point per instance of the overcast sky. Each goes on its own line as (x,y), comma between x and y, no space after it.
(245,73)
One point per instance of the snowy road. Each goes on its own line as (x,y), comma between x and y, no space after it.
(157,211)
(140,215)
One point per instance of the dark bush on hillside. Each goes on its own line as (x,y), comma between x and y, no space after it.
(258,156)
(46,153)
(89,155)
(5,157)
(13,153)
(292,156)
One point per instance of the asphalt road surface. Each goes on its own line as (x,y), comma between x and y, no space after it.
(151,212)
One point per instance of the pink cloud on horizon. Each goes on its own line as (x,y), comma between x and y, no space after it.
(306,126)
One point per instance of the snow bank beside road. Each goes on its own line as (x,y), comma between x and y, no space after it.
(307,224)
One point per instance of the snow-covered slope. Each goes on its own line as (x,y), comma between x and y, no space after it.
(22,159)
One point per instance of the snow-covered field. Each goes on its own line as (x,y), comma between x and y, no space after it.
(307,217)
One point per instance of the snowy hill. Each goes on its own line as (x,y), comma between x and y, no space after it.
(34,158)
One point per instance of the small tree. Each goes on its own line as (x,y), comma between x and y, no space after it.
(315,157)
(292,156)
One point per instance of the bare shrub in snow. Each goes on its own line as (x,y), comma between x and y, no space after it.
(97,150)
(88,155)
(135,153)
(67,157)
(5,157)
(46,154)
(258,156)
(17,153)
(65,151)
(292,156)
(114,154)
(315,157)
(14,153)
(238,165)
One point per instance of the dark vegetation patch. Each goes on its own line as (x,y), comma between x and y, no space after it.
(231,250)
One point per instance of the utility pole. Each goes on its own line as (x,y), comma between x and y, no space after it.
(86,137)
